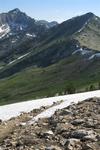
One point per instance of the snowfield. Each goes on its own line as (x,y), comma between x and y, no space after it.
(13,110)
(4,30)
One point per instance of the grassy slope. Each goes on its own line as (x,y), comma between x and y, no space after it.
(48,81)
(90,35)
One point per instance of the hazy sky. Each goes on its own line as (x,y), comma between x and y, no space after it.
(50,10)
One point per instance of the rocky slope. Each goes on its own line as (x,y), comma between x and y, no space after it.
(76,127)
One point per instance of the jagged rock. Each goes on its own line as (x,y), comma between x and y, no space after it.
(73,144)
(46,134)
(91,123)
(77,121)
(92,136)
(84,135)
(8,142)
(63,141)
(53,148)
(29,140)
(63,112)
(22,124)
(0,121)
(61,127)
(91,146)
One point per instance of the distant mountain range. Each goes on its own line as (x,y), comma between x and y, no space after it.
(16,28)
(40,58)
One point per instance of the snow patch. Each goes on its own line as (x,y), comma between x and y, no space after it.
(83,26)
(12,62)
(97,55)
(1,67)
(30,35)
(82,51)
(96,18)
(22,56)
(4,30)
(21,28)
(68,100)
(77,46)
(13,41)
(13,110)
(18,58)
(76,51)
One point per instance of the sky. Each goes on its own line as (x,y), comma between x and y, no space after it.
(52,10)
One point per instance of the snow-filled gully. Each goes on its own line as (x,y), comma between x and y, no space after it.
(13,110)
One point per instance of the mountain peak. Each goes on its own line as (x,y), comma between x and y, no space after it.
(90,14)
(16,10)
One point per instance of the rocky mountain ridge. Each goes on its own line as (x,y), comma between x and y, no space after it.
(18,21)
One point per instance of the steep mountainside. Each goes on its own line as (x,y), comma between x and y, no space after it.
(89,35)
(59,42)
(57,56)
(18,33)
